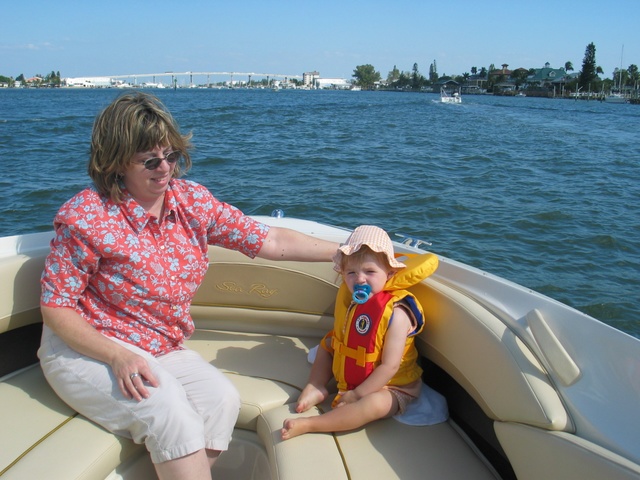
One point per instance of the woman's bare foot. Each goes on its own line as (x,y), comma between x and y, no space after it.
(292,427)
(310,397)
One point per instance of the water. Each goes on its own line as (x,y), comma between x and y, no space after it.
(543,192)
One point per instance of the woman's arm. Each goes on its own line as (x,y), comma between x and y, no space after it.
(286,244)
(83,338)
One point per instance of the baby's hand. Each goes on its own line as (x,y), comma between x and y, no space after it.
(348,397)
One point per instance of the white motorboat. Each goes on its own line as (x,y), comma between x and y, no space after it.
(535,389)
(615,98)
(445,97)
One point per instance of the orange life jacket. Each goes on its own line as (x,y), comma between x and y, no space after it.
(359,330)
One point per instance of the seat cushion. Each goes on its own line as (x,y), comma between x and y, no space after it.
(267,370)
(50,440)
(437,451)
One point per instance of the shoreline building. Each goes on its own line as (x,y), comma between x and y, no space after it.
(333,83)
(313,80)
(309,79)
(89,82)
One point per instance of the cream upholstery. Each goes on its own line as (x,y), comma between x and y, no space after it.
(256,321)
(537,454)
(488,360)
(18,302)
(385,449)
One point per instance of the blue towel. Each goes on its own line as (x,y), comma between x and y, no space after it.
(428,409)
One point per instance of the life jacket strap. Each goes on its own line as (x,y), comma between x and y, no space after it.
(360,354)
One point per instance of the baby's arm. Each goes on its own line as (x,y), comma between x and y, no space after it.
(393,348)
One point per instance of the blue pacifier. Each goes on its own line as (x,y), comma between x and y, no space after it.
(361,293)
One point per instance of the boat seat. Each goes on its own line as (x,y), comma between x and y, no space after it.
(52,441)
(260,339)
(44,438)
(252,360)
(375,451)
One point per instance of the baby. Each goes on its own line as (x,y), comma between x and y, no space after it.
(370,350)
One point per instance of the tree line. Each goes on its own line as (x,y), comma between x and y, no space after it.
(38,80)
(588,79)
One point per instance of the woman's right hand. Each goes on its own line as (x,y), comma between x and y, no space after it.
(82,337)
(133,374)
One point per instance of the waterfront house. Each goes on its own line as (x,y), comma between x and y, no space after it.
(475,84)
(499,75)
(547,76)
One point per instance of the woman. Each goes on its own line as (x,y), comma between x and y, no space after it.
(128,255)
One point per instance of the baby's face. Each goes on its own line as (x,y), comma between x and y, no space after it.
(369,271)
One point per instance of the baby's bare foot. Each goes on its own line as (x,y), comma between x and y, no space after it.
(310,397)
(292,427)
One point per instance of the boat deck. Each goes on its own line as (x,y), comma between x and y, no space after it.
(256,321)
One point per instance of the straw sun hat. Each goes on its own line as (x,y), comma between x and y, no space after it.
(373,237)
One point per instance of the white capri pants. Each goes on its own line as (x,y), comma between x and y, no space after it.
(194,407)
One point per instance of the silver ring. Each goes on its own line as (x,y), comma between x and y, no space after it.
(134,375)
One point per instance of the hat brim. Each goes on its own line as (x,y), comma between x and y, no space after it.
(350,249)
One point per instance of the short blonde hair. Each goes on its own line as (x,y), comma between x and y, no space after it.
(134,122)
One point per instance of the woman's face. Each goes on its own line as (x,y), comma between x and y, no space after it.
(146,185)
(369,271)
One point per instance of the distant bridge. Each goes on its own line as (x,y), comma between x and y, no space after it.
(199,74)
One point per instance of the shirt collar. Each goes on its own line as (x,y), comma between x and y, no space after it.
(137,216)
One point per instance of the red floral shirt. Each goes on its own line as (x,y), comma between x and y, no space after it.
(132,276)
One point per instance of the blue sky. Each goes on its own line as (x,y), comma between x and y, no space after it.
(104,38)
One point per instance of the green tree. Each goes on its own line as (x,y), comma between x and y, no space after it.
(433,72)
(568,66)
(588,73)
(366,76)
(634,75)
(403,82)
(52,79)
(417,79)
(393,75)
(620,77)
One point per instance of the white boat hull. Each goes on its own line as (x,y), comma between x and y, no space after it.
(615,98)
(445,97)
(559,388)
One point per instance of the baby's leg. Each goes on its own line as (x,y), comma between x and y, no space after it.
(380,404)
(316,391)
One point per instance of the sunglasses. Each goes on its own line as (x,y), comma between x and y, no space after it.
(153,163)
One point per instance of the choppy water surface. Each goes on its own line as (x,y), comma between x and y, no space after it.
(543,192)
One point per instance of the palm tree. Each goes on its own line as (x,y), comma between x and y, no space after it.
(568,66)
(634,75)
